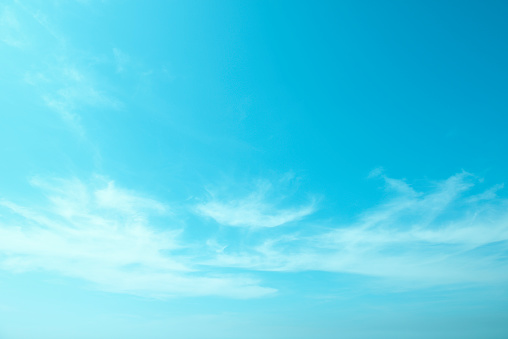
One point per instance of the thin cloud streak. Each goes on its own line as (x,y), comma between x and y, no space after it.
(69,91)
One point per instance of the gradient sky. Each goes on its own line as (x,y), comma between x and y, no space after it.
(253,169)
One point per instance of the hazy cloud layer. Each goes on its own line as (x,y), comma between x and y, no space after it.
(105,235)
(440,236)
(10,28)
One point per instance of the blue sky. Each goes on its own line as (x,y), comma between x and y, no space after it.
(253,169)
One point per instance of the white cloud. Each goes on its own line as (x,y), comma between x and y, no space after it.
(125,201)
(255,210)
(489,194)
(103,235)
(106,235)
(434,237)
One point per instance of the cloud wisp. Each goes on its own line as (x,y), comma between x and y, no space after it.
(103,235)
(255,210)
(64,77)
(10,28)
(95,231)
(67,90)
(441,236)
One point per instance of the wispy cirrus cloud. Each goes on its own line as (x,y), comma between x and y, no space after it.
(64,77)
(440,236)
(10,28)
(255,210)
(68,91)
(103,235)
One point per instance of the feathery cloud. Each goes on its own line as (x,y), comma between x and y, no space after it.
(436,237)
(255,210)
(104,236)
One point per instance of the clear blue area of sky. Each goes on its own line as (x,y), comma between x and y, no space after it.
(319,159)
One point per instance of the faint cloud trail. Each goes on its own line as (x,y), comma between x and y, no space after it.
(256,210)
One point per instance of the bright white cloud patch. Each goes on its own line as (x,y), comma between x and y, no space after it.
(104,235)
